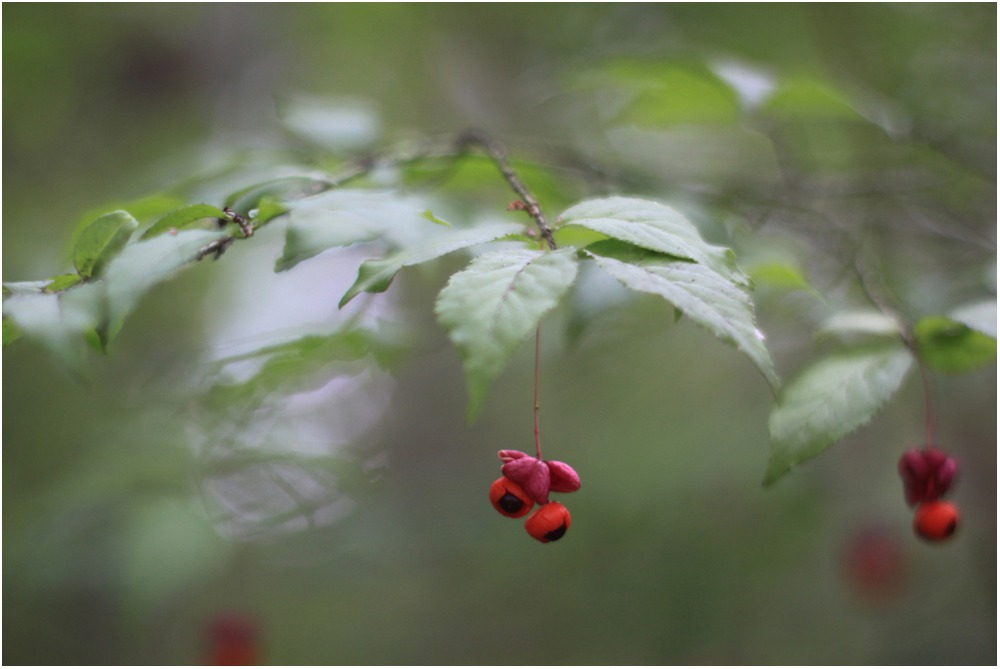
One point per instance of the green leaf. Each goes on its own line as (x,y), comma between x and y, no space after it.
(145,210)
(721,307)
(101,241)
(58,321)
(12,288)
(332,123)
(655,227)
(279,189)
(952,347)
(493,305)
(60,283)
(184,218)
(11,332)
(830,399)
(375,276)
(661,93)
(143,265)
(867,323)
(267,210)
(296,363)
(780,275)
(349,216)
(810,98)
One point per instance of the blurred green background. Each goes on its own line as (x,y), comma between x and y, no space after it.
(346,515)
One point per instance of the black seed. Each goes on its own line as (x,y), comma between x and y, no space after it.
(510,503)
(557,533)
(950,529)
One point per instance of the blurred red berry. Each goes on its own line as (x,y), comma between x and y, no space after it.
(875,565)
(936,521)
(549,523)
(509,498)
(233,640)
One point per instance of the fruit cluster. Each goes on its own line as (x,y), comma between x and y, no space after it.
(527,481)
(927,475)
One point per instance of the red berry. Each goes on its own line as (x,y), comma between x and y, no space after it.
(936,521)
(509,498)
(549,523)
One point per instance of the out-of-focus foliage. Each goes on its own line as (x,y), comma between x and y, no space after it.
(248,447)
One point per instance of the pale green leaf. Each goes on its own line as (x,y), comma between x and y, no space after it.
(349,216)
(655,227)
(375,276)
(489,308)
(145,264)
(101,241)
(185,218)
(854,323)
(11,288)
(830,399)
(721,307)
(333,123)
(58,321)
(980,316)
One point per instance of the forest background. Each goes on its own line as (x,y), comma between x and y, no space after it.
(349,521)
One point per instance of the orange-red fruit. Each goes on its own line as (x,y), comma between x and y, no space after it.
(549,523)
(936,521)
(510,499)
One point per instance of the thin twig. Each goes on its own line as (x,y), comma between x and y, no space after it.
(498,153)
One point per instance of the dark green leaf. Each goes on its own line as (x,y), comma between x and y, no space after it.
(493,305)
(184,218)
(375,276)
(952,347)
(101,241)
(830,399)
